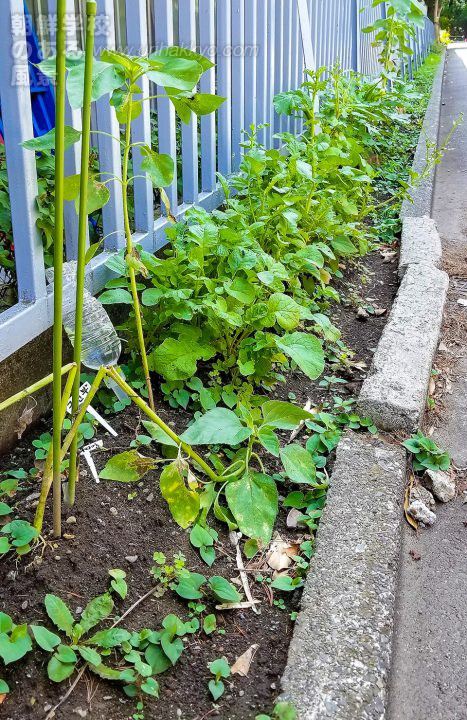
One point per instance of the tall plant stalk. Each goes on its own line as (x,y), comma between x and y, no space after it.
(129,250)
(91,8)
(58,262)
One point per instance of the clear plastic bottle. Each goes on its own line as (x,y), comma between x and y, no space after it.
(101,344)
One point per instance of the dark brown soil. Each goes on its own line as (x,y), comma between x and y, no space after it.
(109,527)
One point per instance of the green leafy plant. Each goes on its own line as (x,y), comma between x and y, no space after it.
(282,711)
(426,453)
(220,669)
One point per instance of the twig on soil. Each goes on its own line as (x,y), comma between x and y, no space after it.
(234,539)
(51,713)
(135,605)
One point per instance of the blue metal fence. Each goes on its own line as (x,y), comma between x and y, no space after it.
(260,48)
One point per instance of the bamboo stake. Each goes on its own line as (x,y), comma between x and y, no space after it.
(82,233)
(39,385)
(58,258)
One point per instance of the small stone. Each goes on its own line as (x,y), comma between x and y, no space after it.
(131,558)
(24,605)
(179,712)
(362,314)
(71,520)
(57,557)
(420,493)
(79,610)
(47,707)
(107,697)
(273,686)
(80,712)
(113,511)
(241,693)
(150,498)
(441,484)
(421,513)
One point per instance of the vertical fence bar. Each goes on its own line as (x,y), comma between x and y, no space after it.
(207,41)
(262,69)
(238,79)
(279,33)
(187,39)
(109,147)
(224,86)
(73,118)
(137,41)
(250,63)
(166,123)
(287,60)
(21,163)
(356,35)
(272,39)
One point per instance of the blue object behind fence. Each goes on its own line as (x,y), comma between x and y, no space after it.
(42,94)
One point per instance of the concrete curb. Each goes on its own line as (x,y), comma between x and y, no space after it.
(340,653)
(423,196)
(420,244)
(394,393)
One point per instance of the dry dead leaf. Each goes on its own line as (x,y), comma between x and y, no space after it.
(25,420)
(432,386)
(408,517)
(280,554)
(462,301)
(242,664)
(292,518)
(379,312)
(2,697)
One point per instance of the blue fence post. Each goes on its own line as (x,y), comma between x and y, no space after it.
(238,79)
(356,35)
(21,163)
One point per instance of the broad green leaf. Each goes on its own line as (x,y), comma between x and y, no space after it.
(305,350)
(59,671)
(127,467)
(150,687)
(109,638)
(4,545)
(199,104)
(157,659)
(220,668)
(175,73)
(89,655)
(47,141)
(208,554)
(6,623)
(209,624)
(298,464)
(98,609)
(253,501)
(5,509)
(4,689)
(285,310)
(98,193)
(199,536)
(66,654)
(105,79)
(177,359)
(251,548)
(118,583)
(219,426)
(184,504)
(47,640)
(117,296)
(15,646)
(188,587)
(343,246)
(286,583)
(173,647)
(158,434)
(241,290)
(59,614)
(269,440)
(283,415)
(182,52)
(107,673)
(21,531)
(223,590)
(158,166)
(216,688)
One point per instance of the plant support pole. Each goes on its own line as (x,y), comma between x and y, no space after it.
(82,234)
(58,260)
(22,394)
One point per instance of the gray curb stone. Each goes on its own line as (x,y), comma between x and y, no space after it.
(420,243)
(340,654)
(423,196)
(394,393)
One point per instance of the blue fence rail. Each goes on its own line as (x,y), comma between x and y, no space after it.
(260,48)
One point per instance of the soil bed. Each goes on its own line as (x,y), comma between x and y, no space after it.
(110,527)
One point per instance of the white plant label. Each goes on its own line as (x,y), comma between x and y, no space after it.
(86,453)
(83,393)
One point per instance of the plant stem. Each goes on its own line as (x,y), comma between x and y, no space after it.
(58,259)
(47,480)
(22,394)
(139,402)
(91,8)
(129,249)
